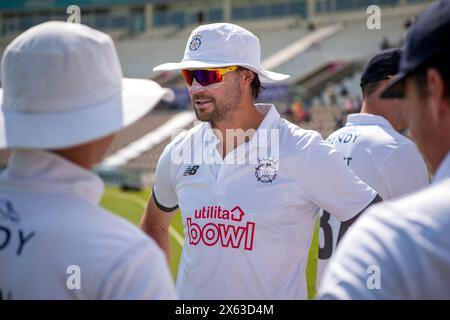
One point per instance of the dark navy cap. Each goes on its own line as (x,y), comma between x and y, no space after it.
(428,41)
(381,66)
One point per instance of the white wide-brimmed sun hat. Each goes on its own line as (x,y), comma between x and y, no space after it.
(63,86)
(221,45)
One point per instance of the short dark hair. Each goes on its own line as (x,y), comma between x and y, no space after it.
(369,88)
(255,85)
(419,77)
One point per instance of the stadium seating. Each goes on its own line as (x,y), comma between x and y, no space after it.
(143,126)
(355,42)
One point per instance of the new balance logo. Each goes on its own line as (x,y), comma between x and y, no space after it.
(191,170)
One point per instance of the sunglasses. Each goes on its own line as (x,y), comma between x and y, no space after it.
(206,76)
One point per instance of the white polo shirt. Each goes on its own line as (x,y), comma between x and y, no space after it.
(57,243)
(248,223)
(383,158)
(399,249)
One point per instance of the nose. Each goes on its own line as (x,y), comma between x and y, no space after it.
(195,87)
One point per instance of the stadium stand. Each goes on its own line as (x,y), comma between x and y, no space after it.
(323,120)
(330,72)
(352,43)
(139,129)
(149,140)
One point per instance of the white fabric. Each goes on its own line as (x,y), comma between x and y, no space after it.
(259,250)
(381,157)
(443,171)
(63,86)
(53,205)
(221,45)
(407,239)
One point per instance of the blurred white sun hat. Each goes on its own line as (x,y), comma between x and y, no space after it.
(63,86)
(221,45)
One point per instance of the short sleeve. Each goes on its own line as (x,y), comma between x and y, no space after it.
(141,273)
(404,171)
(332,185)
(163,189)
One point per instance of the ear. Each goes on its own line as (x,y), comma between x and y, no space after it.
(436,95)
(248,76)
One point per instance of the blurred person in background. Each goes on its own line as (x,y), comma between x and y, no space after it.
(401,249)
(373,148)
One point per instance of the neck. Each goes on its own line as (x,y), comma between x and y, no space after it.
(244,118)
(77,158)
(239,127)
(389,116)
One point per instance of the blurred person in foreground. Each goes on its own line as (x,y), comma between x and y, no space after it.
(63,98)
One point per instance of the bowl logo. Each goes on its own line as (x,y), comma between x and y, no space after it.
(195,43)
(266,171)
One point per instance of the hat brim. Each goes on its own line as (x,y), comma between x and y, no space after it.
(65,129)
(395,88)
(265,76)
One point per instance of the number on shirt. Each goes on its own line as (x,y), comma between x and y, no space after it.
(326,251)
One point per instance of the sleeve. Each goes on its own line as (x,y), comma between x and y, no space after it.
(404,171)
(332,185)
(141,273)
(164,193)
(369,262)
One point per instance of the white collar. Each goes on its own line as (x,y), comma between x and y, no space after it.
(443,170)
(365,119)
(271,115)
(48,172)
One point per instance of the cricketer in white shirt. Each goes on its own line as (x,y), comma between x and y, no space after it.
(398,250)
(380,156)
(249,218)
(57,243)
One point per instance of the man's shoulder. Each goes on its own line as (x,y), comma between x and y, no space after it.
(72,218)
(371,134)
(294,137)
(428,207)
(111,225)
(77,230)
(430,200)
(379,141)
(100,235)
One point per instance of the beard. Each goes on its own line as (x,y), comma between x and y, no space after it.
(221,109)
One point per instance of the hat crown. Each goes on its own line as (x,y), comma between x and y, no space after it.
(428,36)
(381,66)
(223,42)
(59,66)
